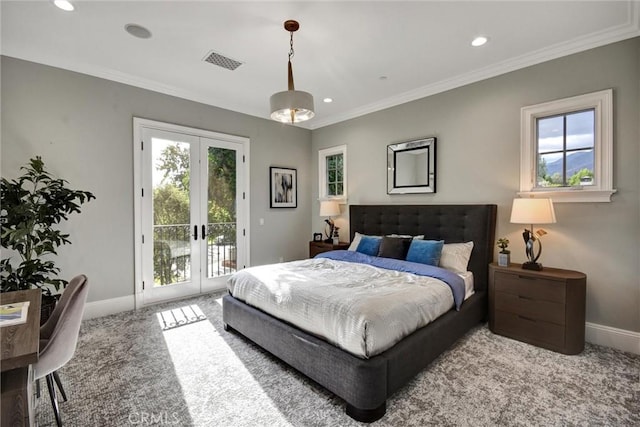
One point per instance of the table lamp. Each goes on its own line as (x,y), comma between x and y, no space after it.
(532,211)
(329,208)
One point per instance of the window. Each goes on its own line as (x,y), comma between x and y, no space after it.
(332,171)
(566,151)
(565,156)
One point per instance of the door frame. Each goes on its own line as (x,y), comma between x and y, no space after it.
(138,188)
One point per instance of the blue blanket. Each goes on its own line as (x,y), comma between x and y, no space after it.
(455,282)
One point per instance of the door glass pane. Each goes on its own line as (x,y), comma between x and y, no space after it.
(221,212)
(171,212)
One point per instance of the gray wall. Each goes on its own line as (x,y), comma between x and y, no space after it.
(82,127)
(478,131)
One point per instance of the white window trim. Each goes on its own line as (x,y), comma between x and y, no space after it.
(322,172)
(602,188)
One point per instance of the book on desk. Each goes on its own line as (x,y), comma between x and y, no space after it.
(14,313)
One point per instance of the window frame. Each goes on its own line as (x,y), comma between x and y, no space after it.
(322,172)
(602,188)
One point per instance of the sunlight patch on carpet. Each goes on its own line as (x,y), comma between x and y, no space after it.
(217,387)
(181,316)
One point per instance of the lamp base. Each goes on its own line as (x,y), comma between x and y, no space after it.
(532,266)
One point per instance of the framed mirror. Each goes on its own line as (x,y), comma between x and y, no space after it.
(411,167)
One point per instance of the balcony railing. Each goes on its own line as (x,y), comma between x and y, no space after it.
(172,251)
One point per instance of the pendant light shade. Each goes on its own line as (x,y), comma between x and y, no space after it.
(291,106)
(283,103)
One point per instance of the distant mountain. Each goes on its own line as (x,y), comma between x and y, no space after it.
(575,162)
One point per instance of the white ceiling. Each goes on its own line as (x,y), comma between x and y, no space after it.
(365,55)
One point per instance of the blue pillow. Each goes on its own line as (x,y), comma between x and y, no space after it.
(369,245)
(425,251)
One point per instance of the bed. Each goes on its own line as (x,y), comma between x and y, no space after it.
(366,383)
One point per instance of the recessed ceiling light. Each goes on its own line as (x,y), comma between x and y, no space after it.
(479,41)
(137,31)
(327,100)
(64,5)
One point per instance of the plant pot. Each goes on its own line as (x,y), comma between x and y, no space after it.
(504,259)
(47,306)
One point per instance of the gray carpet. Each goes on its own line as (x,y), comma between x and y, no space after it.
(128,371)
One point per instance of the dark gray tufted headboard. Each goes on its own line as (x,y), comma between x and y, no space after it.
(451,223)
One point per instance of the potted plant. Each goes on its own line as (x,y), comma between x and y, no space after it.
(504,256)
(32,206)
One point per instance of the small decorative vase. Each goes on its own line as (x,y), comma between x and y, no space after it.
(504,258)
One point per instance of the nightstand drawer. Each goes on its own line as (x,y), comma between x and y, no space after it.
(547,311)
(529,330)
(544,308)
(538,288)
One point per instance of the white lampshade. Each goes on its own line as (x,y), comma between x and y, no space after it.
(300,102)
(533,211)
(329,208)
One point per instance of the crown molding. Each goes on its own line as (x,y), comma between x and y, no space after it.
(629,29)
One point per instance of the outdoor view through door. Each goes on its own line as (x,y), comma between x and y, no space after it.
(191,219)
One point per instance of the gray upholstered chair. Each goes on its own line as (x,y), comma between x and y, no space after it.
(59,336)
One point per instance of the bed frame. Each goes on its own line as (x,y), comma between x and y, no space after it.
(365,384)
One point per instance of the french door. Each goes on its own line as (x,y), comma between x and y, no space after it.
(192,213)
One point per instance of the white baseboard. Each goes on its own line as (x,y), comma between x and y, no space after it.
(620,339)
(108,306)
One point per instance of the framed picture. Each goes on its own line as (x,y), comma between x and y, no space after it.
(283,183)
(317,237)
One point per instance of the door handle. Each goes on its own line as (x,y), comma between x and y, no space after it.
(204,231)
(195,232)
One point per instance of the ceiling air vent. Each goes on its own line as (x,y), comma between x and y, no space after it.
(222,61)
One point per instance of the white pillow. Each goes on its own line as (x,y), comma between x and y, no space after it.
(355,242)
(455,256)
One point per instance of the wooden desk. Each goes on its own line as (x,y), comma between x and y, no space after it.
(19,346)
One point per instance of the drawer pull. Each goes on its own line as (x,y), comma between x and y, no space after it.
(526,277)
(525,297)
(527,318)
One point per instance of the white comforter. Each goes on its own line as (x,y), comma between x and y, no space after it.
(357,307)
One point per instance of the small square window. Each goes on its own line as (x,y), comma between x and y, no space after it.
(332,172)
(567,145)
(565,150)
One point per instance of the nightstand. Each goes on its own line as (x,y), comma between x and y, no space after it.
(316,248)
(544,308)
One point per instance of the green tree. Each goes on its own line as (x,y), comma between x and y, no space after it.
(174,162)
(221,185)
(170,205)
(542,169)
(576,178)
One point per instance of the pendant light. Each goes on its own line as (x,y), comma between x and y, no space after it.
(291,106)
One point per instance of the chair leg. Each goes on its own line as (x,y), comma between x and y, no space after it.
(59,383)
(54,401)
